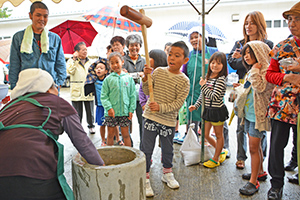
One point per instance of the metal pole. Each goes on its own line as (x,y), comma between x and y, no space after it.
(203,13)
(203,76)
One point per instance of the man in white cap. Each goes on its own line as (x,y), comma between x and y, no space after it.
(30,156)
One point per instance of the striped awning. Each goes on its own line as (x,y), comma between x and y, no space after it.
(18,2)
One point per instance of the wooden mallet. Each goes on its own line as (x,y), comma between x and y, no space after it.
(145,22)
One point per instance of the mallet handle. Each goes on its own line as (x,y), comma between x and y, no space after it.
(144,32)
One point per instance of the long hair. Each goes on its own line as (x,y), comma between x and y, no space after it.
(219,57)
(259,20)
(252,55)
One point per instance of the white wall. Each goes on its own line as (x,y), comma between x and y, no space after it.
(220,16)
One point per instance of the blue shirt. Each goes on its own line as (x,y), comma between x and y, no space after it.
(249,107)
(98,88)
(53,61)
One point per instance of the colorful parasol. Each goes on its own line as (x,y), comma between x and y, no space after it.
(110,17)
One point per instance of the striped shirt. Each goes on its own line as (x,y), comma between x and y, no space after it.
(214,91)
(169,91)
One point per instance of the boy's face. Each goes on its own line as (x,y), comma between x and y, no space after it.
(176,59)
(100,70)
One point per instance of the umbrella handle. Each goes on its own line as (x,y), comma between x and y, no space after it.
(144,32)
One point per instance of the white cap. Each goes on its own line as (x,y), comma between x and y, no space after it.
(32,80)
(197,29)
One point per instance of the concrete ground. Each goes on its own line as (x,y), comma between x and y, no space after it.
(196,182)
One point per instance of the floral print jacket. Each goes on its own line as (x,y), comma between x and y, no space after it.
(283,105)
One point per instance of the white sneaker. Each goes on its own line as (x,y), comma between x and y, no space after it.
(149,191)
(92,131)
(170,180)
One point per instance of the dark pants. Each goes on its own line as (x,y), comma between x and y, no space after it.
(279,138)
(89,109)
(294,150)
(24,188)
(166,135)
(139,115)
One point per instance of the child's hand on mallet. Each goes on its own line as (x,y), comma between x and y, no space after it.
(192,108)
(147,70)
(154,106)
(111,113)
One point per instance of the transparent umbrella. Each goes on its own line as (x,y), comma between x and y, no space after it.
(184,27)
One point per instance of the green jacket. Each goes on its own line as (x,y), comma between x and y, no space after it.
(118,92)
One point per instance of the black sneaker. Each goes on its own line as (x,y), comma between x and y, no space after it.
(291,166)
(249,189)
(275,193)
(260,177)
(293,179)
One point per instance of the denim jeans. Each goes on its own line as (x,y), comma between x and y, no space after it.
(242,142)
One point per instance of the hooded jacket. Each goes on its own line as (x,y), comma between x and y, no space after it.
(118,92)
(261,88)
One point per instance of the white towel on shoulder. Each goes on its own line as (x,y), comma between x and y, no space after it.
(26,45)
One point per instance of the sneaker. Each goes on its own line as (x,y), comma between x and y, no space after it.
(176,137)
(180,140)
(149,191)
(211,163)
(228,154)
(260,177)
(120,143)
(275,193)
(249,189)
(92,131)
(170,180)
(223,154)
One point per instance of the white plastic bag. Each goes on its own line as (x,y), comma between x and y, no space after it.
(191,149)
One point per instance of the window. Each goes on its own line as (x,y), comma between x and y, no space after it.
(269,23)
(284,23)
(4,37)
(277,23)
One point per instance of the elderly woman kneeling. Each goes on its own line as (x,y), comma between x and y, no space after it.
(32,162)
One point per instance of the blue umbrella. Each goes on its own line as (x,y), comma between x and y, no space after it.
(183,28)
